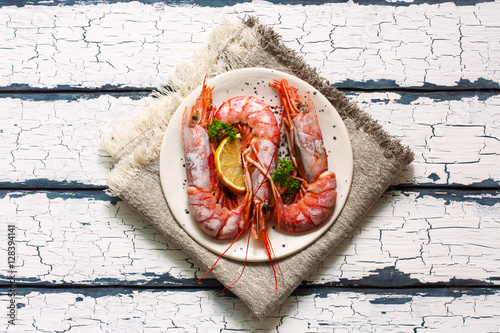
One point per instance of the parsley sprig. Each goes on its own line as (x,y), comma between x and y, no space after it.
(219,128)
(283,175)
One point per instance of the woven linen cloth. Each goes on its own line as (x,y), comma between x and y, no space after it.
(378,158)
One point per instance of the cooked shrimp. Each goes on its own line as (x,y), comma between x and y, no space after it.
(257,123)
(313,204)
(219,214)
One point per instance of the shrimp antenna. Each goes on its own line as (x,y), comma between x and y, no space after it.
(246,257)
(223,253)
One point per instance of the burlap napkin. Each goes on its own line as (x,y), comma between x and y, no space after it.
(378,158)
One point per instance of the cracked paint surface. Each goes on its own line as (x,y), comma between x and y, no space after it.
(84,240)
(210,311)
(456,141)
(91,241)
(135,44)
(428,237)
(70,244)
(59,139)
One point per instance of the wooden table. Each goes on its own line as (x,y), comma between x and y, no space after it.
(427,256)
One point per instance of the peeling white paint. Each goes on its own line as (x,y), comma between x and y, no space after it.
(134,44)
(455,141)
(408,238)
(210,311)
(58,140)
(84,240)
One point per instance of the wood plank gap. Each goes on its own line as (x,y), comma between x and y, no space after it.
(215,285)
(438,187)
(224,3)
(71,90)
(345,89)
(15,187)
(20,187)
(421,90)
(452,284)
(301,289)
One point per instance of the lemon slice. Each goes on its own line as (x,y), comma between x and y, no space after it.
(228,164)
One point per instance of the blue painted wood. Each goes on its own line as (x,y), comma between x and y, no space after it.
(388,277)
(481,196)
(391,277)
(153,281)
(384,84)
(42,184)
(221,3)
(464,85)
(408,96)
(65,93)
(380,295)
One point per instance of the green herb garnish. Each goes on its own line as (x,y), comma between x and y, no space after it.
(219,128)
(283,175)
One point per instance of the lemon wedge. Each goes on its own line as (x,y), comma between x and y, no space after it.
(228,164)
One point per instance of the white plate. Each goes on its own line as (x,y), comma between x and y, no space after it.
(254,81)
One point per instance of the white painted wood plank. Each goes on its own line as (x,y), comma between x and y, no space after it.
(58,139)
(115,310)
(455,137)
(136,44)
(408,238)
(456,140)
(430,237)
